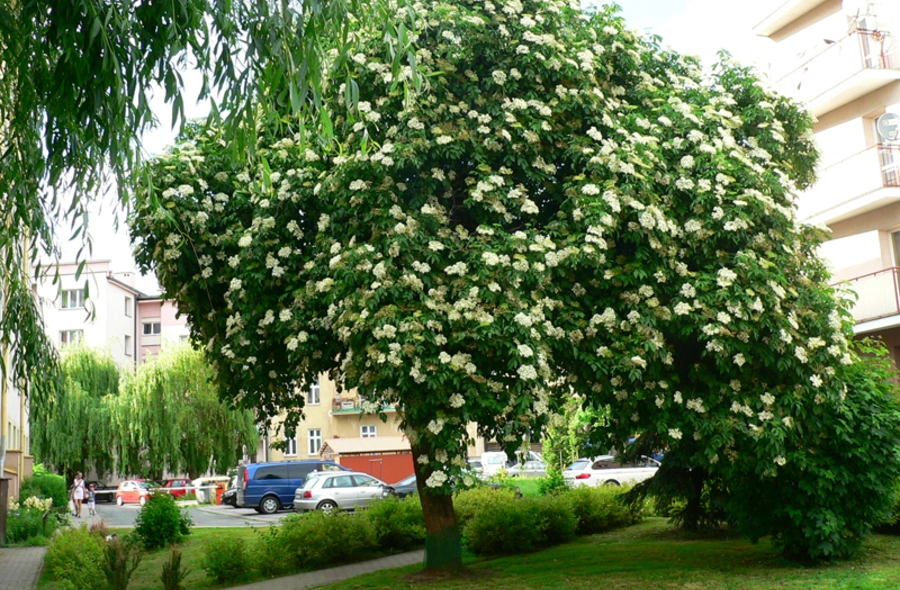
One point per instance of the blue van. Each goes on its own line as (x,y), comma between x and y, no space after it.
(269,487)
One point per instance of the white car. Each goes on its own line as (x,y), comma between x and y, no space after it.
(606,471)
(344,490)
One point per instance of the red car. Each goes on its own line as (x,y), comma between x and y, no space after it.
(177,487)
(133,491)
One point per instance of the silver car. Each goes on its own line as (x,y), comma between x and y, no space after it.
(339,490)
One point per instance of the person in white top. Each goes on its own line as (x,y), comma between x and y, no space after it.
(78,493)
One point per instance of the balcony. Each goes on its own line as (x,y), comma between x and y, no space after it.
(343,406)
(859,183)
(842,71)
(785,14)
(878,300)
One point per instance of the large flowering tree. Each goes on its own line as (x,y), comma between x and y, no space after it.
(555,207)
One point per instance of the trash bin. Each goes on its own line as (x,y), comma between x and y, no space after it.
(220,489)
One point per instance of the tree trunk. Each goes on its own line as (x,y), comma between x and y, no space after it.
(443,544)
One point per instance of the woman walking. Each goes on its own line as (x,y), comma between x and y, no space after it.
(78,493)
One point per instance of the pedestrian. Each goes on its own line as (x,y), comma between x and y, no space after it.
(78,493)
(92,500)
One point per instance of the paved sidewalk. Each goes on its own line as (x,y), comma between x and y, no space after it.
(336,574)
(20,567)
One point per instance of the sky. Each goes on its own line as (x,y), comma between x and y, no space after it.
(696,27)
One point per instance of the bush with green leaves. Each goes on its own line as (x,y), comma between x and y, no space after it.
(398,523)
(521,525)
(32,521)
(318,539)
(173,573)
(226,559)
(43,484)
(77,558)
(268,554)
(122,555)
(161,522)
(468,503)
(604,508)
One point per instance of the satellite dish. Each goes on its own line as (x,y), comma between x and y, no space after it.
(888,126)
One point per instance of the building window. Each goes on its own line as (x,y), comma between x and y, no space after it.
(70,336)
(368,431)
(290,448)
(72,299)
(312,396)
(127,345)
(128,303)
(315,440)
(152,328)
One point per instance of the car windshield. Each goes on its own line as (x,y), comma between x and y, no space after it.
(147,485)
(310,481)
(409,481)
(578,465)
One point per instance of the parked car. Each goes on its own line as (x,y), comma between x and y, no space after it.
(135,491)
(606,470)
(528,469)
(406,487)
(103,493)
(229,497)
(269,487)
(341,491)
(177,487)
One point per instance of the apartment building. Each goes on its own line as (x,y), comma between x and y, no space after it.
(842,59)
(16,461)
(104,309)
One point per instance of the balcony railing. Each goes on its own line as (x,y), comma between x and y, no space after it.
(878,294)
(350,406)
(856,176)
(813,74)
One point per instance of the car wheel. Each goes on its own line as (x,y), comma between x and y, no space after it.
(119,500)
(327,506)
(269,505)
(143,500)
(612,483)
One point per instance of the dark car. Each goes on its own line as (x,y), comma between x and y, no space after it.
(103,493)
(229,497)
(406,487)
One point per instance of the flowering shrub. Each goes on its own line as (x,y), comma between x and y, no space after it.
(522,202)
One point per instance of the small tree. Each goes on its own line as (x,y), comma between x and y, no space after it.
(565,208)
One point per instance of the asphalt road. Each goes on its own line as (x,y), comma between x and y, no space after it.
(203,516)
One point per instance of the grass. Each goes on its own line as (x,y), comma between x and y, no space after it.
(652,555)
(528,486)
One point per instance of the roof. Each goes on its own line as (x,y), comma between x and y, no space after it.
(363,446)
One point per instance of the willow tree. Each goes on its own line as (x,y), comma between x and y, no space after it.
(562,208)
(168,417)
(72,431)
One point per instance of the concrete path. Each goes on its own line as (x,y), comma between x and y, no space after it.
(336,574)
(20,568)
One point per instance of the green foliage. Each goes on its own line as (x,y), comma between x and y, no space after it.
(26,526)
(226,560)
(398,523)
(318,539)
(121,558)
(468,503)
(268,555)
(602,509)
(77,557)
(172,573)
(43,484)
(521,525)
(161,522)
(553,482)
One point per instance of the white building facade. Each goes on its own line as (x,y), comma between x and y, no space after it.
(842,59)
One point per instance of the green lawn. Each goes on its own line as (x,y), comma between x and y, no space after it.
(652,556)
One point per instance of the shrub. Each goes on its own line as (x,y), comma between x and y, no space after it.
(172,574)
(226,559)
(602,509)
(398,524)
(557,522)
(553,483)
(160,522)
(31,522)
(121,558)
(270,557)
(318,539)
(521,525)
(46,485)
(468,503)
(76,558)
